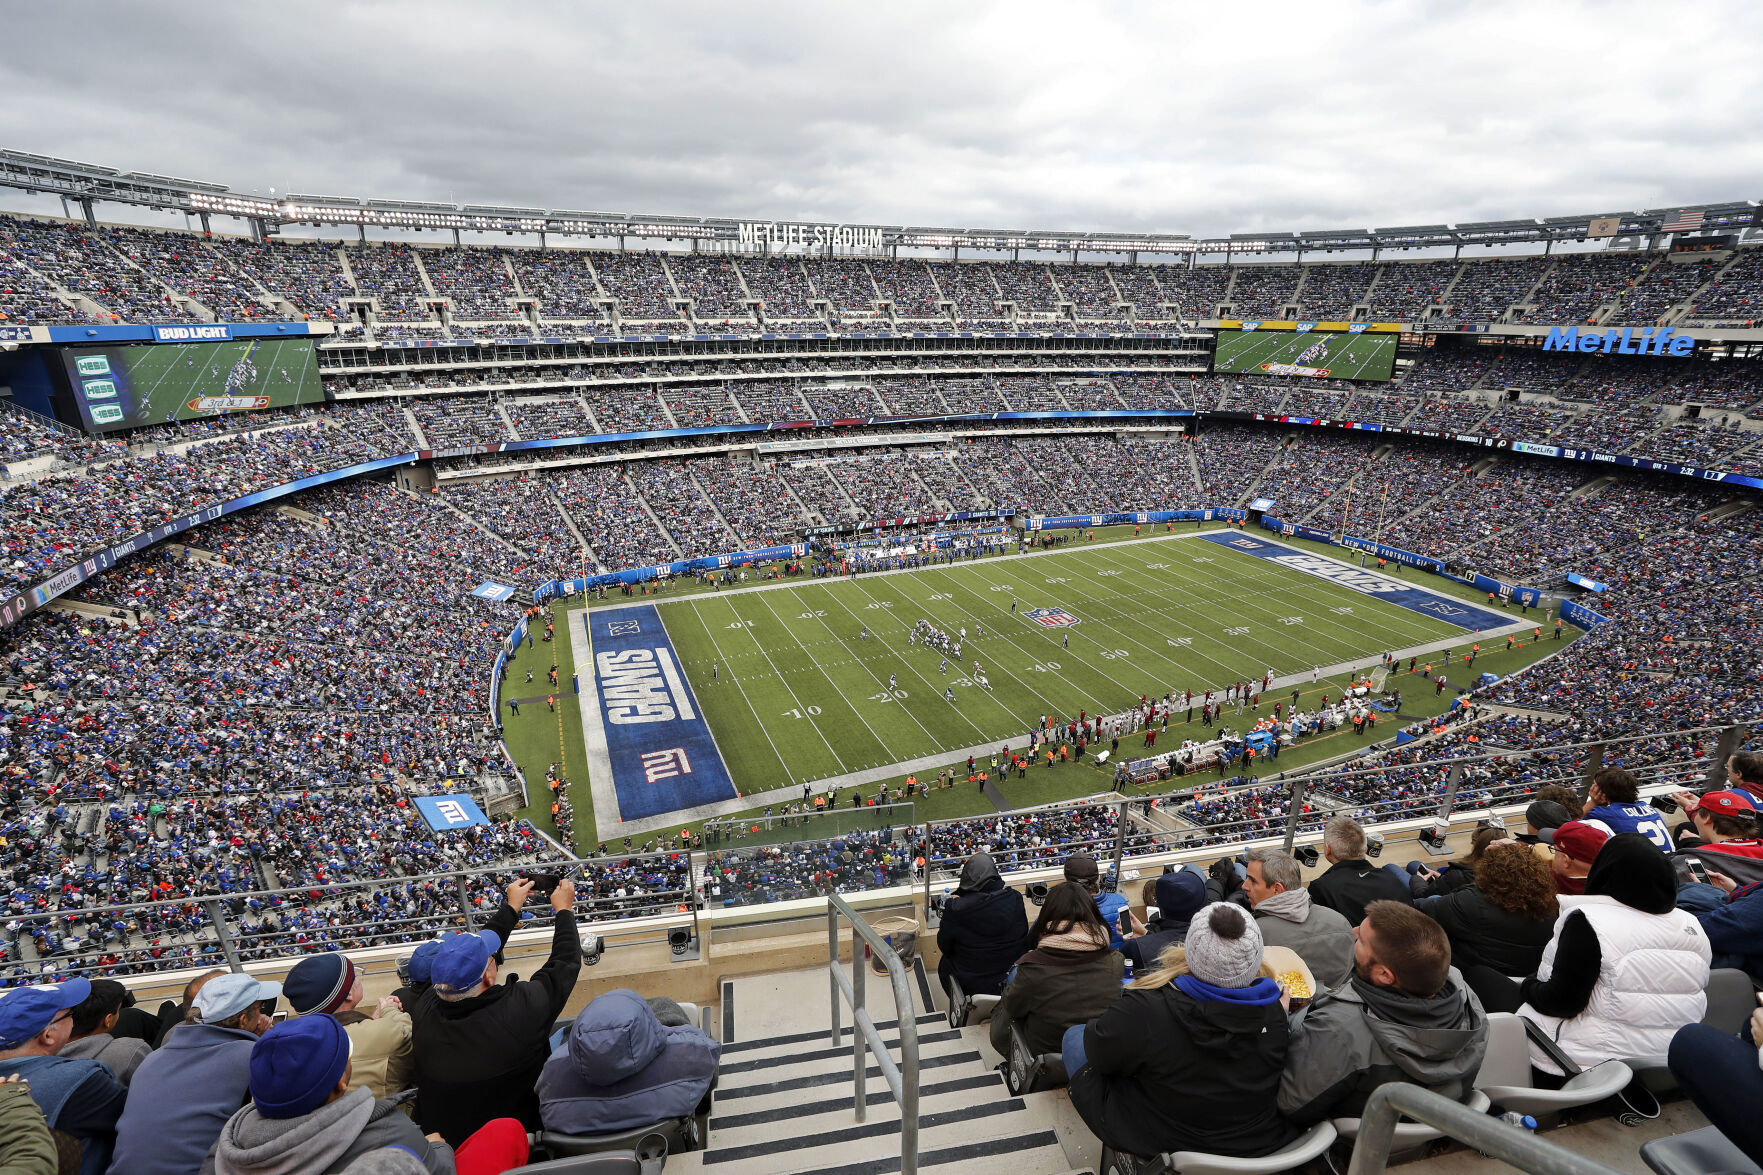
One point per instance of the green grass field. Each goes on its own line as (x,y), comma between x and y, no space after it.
(166,378)
(1362,356)
(798,692)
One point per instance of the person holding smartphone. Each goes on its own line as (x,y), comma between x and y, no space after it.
(1731,915)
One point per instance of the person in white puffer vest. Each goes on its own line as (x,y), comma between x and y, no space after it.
(1626,968)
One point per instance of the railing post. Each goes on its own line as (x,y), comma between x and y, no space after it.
(832,949)
(859,1014)
(1594,763)
(1300,788)
(1730,738)
(218,921)
(1119,843)
(1451,781)
(464,901)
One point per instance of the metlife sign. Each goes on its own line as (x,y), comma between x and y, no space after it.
(1624,340)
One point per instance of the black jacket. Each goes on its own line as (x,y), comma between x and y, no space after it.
(981,935)
(1481,933)
(1166,1072)
(1350,886)
(1451,878)
(480,1058)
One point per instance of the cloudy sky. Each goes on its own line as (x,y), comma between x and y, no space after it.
(1207,119)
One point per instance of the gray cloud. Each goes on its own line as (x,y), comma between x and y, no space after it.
(1132,116)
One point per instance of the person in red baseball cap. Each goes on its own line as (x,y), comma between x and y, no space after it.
(1576,845)
(1723,822)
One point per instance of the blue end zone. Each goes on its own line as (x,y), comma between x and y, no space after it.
(1381,587)
(663,758)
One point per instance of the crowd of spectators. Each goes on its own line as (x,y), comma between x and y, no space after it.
(460,420)
(388,272)
(86,261)
(847,287)
(537,419)
(304,273)
(640,284)
(1407,291)
(1736,294)
(1578,284)
(1666,285)
(782,284)
(1264,291)
(562,281)
(1486,290)
(1333,289)
(475,280)
(713,284)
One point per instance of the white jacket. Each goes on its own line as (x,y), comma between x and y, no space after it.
(1651,981)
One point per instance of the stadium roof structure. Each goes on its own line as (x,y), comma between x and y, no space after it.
(87,183)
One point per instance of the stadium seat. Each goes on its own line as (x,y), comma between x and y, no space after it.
(1731,999)
(1027,1072)
(1303,1149)
(1506,1078)
(968,1009)
(1410,1134)
(1699,1152)
(672,1136)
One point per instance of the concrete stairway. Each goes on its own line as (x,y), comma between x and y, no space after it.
(784,1099)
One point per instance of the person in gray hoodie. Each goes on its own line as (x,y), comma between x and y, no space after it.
(622,1068)
(1404,1015)
(303,1119)
(94,1019)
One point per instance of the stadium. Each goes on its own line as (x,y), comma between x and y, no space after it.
(755,575)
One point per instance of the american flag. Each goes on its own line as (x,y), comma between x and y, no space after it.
(1686,222)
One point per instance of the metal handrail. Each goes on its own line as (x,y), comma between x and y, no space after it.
(1518,1147)
(902,1079)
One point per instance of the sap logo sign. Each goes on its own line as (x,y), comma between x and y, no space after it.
(1621,341)
(1304,327)
(641,685)
(1357,328)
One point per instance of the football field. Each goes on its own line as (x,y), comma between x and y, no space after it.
(1347,356)
(792,688)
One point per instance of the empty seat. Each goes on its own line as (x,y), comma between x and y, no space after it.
(969,1009)
(1699,1152)
(1507,1080)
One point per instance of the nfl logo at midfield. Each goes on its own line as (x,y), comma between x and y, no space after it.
(1052,617)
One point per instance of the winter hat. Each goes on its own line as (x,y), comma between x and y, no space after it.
(319,983)
(296,1064)
(1180,894)
(1081,868)
(1224,946)
(1546,814)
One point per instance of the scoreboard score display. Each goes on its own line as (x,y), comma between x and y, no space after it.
(1308,350)
(134,386)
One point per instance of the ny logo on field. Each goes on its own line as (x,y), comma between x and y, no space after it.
(1052,617)
(453,812)
(624,628)
(658,765)
(1441,608)
(1246,544)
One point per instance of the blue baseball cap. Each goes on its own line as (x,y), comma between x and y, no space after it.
(460,963)
(296,1064)
(422,959)
(26,1011)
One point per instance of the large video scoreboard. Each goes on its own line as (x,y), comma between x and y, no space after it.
(124,386)
(1311,350)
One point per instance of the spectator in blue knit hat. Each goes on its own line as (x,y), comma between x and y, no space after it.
(304,1119)
(77,1096)
(330,985)
(501,924)
(186,1089)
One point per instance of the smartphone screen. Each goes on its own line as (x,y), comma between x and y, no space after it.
(1698,870)
(1126,922)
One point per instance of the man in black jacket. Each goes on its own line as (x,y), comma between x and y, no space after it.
(1351,882)
(984,929)
(502,924)
(479,1047)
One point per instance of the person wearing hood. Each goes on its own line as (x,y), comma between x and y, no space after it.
(1626,968)
(94,1022)
(1181,893)
(1274,885)
(1405,1014)
(622,1068)
(304,1119)
(1069,976)
(984,929)
(1189,1058)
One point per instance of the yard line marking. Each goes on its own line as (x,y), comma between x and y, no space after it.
(717,645)
(800,705)
(880,741)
